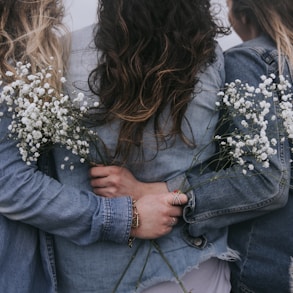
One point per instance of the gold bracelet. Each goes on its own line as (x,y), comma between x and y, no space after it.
(134,223)
(135,216)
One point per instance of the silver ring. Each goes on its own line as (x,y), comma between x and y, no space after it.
(176,198)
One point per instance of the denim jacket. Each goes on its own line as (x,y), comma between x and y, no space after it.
(31,200)
(265,243)
(228,196)
(231,197)
(99,267)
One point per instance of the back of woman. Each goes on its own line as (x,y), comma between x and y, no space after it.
(266,242)
(27,34)
(159,71)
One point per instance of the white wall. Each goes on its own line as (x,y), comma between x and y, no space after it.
(80,13)
(83,12)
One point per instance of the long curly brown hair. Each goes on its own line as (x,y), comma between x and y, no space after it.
(150,53)
(30,31)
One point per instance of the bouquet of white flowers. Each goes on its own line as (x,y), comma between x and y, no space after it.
(42,117)
(241,101)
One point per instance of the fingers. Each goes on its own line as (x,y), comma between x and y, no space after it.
(104,192)
(176,198)
(99,182)
(99,171)
(104,181)
(175,212)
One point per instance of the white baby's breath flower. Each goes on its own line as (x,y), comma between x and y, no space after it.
(41,116)
(250,167)
(251,107)
(9,73)
(244,123)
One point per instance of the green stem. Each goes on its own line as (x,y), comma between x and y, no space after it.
(156,245)
(144,266)
(126,269)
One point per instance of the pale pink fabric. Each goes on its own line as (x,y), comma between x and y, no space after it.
(212,276)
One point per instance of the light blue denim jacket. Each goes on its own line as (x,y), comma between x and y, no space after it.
(29,197)
(228,196)
(264,240)
(265,243)
(98,267)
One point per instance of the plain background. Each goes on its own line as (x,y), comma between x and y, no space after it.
(80,13)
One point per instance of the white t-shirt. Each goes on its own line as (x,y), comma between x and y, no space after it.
(212,276)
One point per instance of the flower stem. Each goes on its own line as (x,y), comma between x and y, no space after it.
(126,269)
(157,246)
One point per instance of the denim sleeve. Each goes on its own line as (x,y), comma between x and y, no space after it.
(29,196)
(218,199)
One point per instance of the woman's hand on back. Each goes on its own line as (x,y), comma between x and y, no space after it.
(115,181)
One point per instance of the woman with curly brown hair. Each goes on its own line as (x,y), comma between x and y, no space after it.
(156,71)
(258,204)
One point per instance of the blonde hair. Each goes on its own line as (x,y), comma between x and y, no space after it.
(274,18)
(282,34)
(32,31)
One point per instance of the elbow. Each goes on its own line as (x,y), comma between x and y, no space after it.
(278,189)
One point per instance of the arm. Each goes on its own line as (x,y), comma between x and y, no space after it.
(29,196)
(229,196)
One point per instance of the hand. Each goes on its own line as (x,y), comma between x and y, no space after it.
(114,181)
(158,214)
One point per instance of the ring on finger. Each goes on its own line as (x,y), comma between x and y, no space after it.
(176,197)
(173,221)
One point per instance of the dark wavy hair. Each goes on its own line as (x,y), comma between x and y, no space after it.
(150,53)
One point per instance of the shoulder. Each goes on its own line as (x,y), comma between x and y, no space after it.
(258,45)
(249,60)
(214,73)
(210,80)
